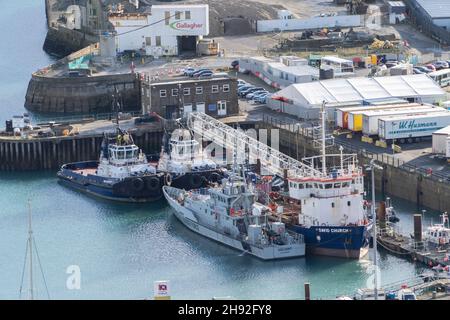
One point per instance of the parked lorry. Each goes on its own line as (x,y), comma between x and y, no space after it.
(410,128)
(370,118)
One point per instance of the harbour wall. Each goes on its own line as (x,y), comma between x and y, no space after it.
(62,41)
(396,179)
(18,154)
(82,94)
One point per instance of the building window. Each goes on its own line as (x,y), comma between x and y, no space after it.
(177,15)
(198,90)
(162,93)
(167,17)
(148,41)
(158,41)
(174,92)
(187,15)
(215,89)
(226,88)
(187,91)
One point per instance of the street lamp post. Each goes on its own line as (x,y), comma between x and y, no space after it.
(372,168)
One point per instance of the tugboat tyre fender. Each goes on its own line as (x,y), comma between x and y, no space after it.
(168,179)
(153,184)
(138,184)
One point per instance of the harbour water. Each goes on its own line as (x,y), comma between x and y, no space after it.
(121,248)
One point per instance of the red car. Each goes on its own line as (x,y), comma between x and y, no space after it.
(431,67)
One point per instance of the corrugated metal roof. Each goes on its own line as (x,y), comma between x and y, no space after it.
(436,8)
(359,89)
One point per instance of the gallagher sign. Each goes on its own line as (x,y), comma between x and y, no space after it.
(184,25)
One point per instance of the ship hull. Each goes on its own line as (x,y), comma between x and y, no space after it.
(351,242)
(188,219)
(148,189)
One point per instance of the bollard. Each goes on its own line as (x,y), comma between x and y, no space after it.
(307,291)
(417,229)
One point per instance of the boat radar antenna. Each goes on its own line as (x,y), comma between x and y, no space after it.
(29,251)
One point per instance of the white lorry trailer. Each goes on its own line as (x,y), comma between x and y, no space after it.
(410,128)
(370,118)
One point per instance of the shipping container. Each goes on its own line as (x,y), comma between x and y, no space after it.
(370,118)
(351,118)
(411,126)
(342,113)
(440,140)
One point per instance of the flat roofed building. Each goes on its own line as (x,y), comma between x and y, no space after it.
(437,10)
(167,30)
(175,98)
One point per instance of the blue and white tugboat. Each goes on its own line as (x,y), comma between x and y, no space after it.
(122,173)
(185,164)
(230,215)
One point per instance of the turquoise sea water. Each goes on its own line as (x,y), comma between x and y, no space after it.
(121,249)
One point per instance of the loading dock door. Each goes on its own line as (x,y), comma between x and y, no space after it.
(187,43)
(201,107)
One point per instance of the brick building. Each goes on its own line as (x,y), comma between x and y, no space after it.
(215,96)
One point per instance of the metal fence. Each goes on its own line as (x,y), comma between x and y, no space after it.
(390,160)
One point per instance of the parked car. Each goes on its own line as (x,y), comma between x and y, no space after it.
(194,74)
(423,69)
(439,65)
(431,67)
(240,81)
(203,73)
(418,71)
(255,93)
(244,87)
(206,74)
(235,64)
(250,90)
(261,98)
(188,71)
(390,64)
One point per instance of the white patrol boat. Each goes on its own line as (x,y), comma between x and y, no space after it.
(229,214)
(185,164)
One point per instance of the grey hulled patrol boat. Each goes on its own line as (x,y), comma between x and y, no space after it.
(230,215)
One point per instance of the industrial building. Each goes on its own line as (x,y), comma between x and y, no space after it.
(304,100)
(174,98)
(279,73)
(397,11)
(437,10)
(167,30)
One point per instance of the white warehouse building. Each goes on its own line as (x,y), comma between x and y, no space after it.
(167,30)
(304,100)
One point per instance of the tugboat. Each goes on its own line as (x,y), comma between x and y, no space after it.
(185,164)
(122,173)
(230,215)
